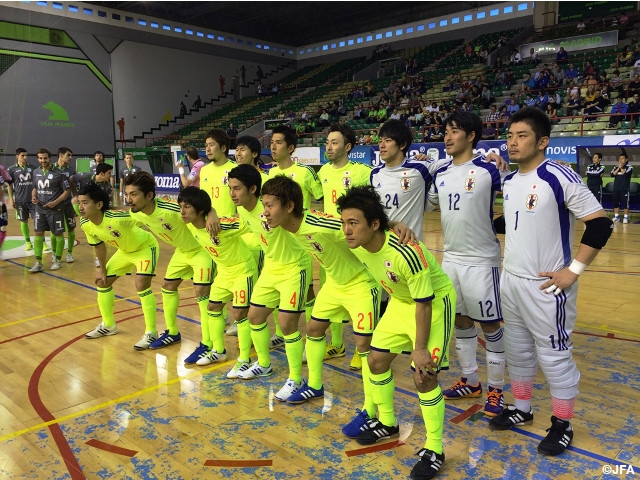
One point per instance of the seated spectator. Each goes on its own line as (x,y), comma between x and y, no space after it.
(589,69)
(372,117)
(542,100)
(572,73)
(625,58)
(571,89)
(501,78)
(362,139)
(301,128)
(624,19)
(534,58)
(573,106)
(323,120)
(634,86)
(616,82)
(528,84)
(558,73)
(504,114)
(436,134)
(562,57)
(552,113)
(633,109)
(509,78)
(493,114)
(614,21)
(595,107)
(512,104)
(373,136)
(468,51)
(489,132)
(618,112)
(395,115)
(529,101)
(486,97)
(483,54)
(581,26)
(474,95)
(357,112)
(382,115)
(515,59)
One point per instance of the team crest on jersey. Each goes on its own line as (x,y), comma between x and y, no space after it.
(167,226)
(316,246)
(225,179)
(346,182)
(215,241)
(115,233)
(405,184)
(393,277)
(469,184)
(532,201)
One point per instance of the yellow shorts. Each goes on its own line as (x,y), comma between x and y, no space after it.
(396,331)
(196,265)
(143,262)
(283,286)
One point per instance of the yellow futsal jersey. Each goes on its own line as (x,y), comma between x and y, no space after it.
(227,249)
(215,181)
(336,181)
(409,273)
(322,237)
(278,245)
(166,223)
(119,230)
(304,176)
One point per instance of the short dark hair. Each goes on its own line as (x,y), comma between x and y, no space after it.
(366,199)
(346,131)
(96,194)
(286,190)
(103,168)
(248,176)
(198,199)
(192,152)
(252,143)
(599,155)
(535,118)
(63,150)
(289,135)
(98,152)
(42,151)
(221,138)
(20,150)
(397,131)
(143,180)
(624,154)
(467,122)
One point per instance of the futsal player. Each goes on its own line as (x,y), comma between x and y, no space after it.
(283,143)
(20,189)
(465,188)
(237,272)
(283,282)
(336,177)
(419,318)
(349,291)
(189,260)
(538,287)
(137,249)
(64,165)
(50,190)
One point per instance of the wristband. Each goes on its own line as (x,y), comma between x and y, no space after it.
(577,267)
(181,170)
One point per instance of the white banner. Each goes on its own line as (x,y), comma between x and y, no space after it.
(572,44)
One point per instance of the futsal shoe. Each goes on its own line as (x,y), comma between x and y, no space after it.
(558,437)
(510,417)
(376,431)
(428,466)
(461,389)
(495,402)
(165,340)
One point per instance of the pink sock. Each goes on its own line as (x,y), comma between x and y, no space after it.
(563,409)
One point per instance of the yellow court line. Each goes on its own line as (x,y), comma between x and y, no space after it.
(111,402)
(607,329)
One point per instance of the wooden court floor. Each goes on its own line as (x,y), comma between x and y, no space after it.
(95,409)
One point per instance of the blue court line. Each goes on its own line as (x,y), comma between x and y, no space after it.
(83,285)
(581,451)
